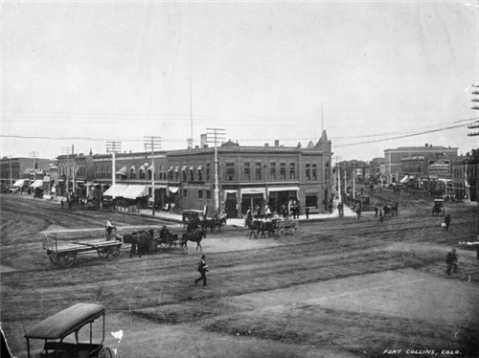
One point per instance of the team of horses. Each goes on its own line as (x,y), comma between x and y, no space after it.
(391,209)
(196,231)
(258,227)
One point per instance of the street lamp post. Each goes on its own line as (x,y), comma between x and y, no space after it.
(152,143)
(113,147)
(213,135)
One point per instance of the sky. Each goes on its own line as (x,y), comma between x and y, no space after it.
(373,74)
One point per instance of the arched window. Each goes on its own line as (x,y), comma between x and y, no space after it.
(108,172)
(132,173)
(142,172)
(102,172)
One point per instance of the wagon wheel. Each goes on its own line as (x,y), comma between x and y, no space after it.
(113,253)
(53,258)
(103,253)
(106,352)
(281,232)
(295,229)
(67,259)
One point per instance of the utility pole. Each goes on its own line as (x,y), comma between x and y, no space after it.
(213,135)
(475,92)
(152,143)
(338,169)
(113,147)
(34,155)
(66,150)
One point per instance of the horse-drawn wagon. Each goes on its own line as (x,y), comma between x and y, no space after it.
(65,254)
(286,226)
(55,331)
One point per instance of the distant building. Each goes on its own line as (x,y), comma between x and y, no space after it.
(465,176)
(22,168)
(393,159)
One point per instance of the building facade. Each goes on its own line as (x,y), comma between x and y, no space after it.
(21,168)
(246,176)
(394,164)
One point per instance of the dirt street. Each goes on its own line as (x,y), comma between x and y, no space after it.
(339,288)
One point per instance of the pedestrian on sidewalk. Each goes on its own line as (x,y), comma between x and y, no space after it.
(202,269)
(307,213)
(61,202)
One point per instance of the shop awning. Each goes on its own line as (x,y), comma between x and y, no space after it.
(116,189)
(135,191)
(37,184)
(173,189)
(19,183)
(247,191)
(122,171)
(406,179)
(283,188)
(229,191)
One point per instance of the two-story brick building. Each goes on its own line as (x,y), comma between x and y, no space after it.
(185,179)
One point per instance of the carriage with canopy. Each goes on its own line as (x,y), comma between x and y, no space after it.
(62,337)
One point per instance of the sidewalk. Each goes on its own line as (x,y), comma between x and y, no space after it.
(235,222)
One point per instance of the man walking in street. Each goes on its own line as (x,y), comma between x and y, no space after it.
(447,221)
(451,261)
(202,269)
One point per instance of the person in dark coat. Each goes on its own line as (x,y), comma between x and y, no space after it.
(451,261)
(307,213)
(376,211)
(202,269)
(447,221)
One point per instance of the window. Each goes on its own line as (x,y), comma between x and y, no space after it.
(247,171)
(272,171)
(185,193)
(292,171)
(312,200)
(282,171)
(183,172)
(192,174)
(177,174)
(142,173)
(200,194)
(230,171)
(108,172)
(200,174)
(102,173)
(258,171)
(132,172)
(208,194)
(308,171)
(150,174)
(315,172)
(208,172)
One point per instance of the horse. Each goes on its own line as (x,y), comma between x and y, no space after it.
(139,241)
(212,223)
(387,209)
(132,239)
(193,236)
(256,226)
(436,210)
(269,227)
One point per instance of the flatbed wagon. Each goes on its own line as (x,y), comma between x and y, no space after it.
(65,254)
